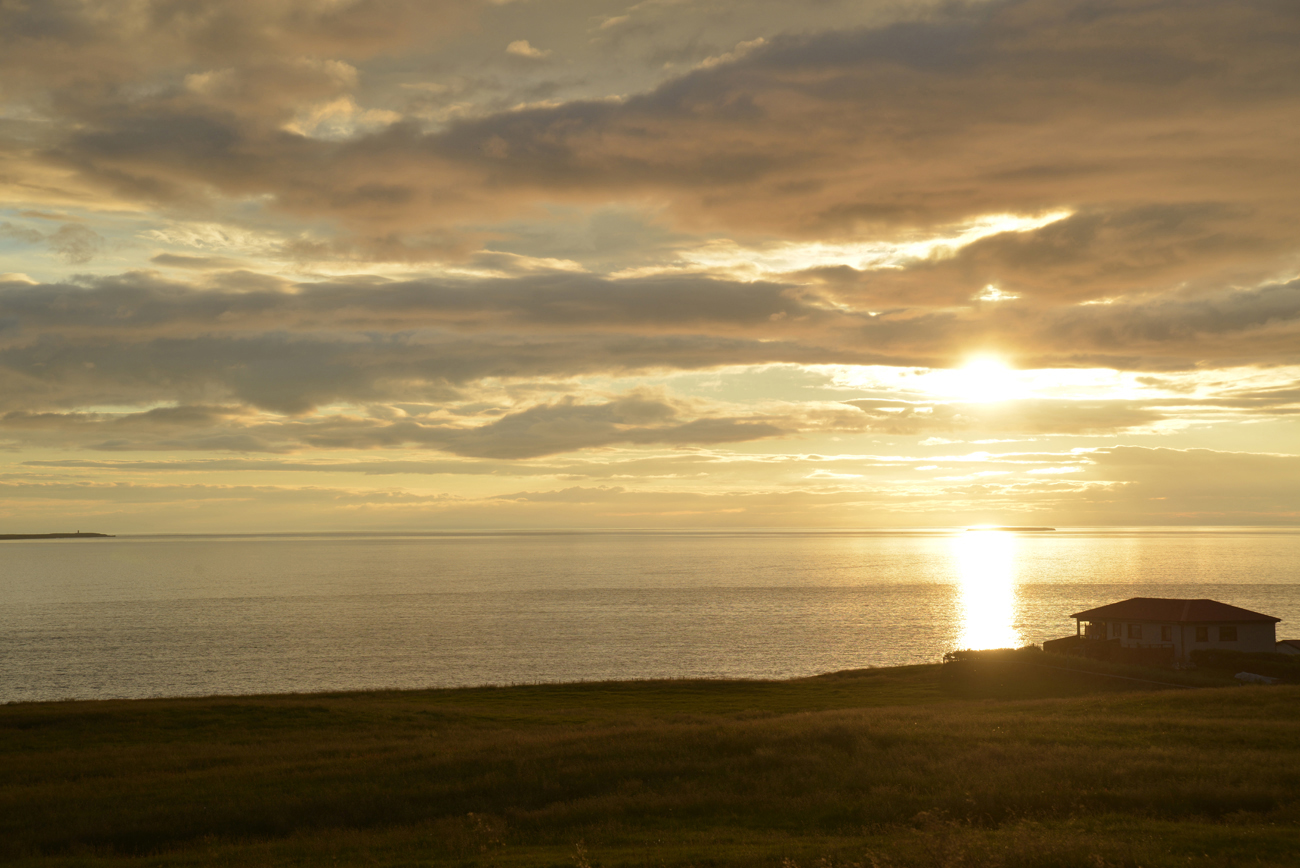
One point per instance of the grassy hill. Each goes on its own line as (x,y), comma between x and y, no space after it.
(994,760)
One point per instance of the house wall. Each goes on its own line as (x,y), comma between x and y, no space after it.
(1253,636)
(1250,637)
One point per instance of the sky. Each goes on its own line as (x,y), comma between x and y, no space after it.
(317,265)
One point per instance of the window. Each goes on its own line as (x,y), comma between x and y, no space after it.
(1135,631)
(1202,634)
(1166,634)
(1227,634)
(1116,629)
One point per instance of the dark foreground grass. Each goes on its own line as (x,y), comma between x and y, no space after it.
(1004,763)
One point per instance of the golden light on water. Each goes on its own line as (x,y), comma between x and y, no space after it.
(986,569)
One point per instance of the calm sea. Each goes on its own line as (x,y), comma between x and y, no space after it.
(177,616)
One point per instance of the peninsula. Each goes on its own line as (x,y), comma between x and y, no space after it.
(77,535)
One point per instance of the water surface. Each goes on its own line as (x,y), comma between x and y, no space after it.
(172,616)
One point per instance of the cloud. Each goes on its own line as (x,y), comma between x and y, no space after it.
(338,119)
(290,347)
(988,109)
(142,303)
(63,40)
(567,426)
(270,465)
(1103,485)
(74,243)
(141,339)
(932,120)
(269,90)
(537,430)
(1042,416)
(521,48)
(197,263)
(1092,254)
(21,233)
(1191,486)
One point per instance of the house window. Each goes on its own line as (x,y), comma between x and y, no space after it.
(1135,631)
(1166,634)
(1115,629)
(1202,634)
(1227,634)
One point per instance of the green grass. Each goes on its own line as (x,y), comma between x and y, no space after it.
(997,761)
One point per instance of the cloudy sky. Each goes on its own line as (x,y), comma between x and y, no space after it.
(277,265)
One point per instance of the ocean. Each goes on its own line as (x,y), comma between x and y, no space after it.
(139,616)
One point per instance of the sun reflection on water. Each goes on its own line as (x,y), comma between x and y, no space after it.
(986,566)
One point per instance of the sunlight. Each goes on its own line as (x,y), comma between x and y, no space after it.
(981,375)
(986,379)
(726,254)
(986,566)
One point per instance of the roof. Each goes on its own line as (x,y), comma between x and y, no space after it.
(1178,611)
(1291,643)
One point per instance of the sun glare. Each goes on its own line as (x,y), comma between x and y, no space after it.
(986,379)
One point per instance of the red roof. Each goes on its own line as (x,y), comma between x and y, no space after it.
(1177,611)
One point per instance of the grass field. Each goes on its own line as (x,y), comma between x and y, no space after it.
(995,761)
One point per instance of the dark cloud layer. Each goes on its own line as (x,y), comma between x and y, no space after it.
(538,430)
(88,42)
(139,339)
(1165,126)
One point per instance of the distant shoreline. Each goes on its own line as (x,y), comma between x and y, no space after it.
(77,535)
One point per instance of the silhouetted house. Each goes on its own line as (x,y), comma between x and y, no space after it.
(1289,646)
(1177,627)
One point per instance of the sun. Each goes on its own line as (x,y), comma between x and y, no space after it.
(986,379)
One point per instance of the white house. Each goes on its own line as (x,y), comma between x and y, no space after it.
(1181,625)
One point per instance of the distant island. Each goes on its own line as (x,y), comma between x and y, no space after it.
(77,535)
(1017,529)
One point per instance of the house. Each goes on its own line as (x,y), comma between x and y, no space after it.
(1177,627)
(1289,646)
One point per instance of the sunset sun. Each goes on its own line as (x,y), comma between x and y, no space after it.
(986,379)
